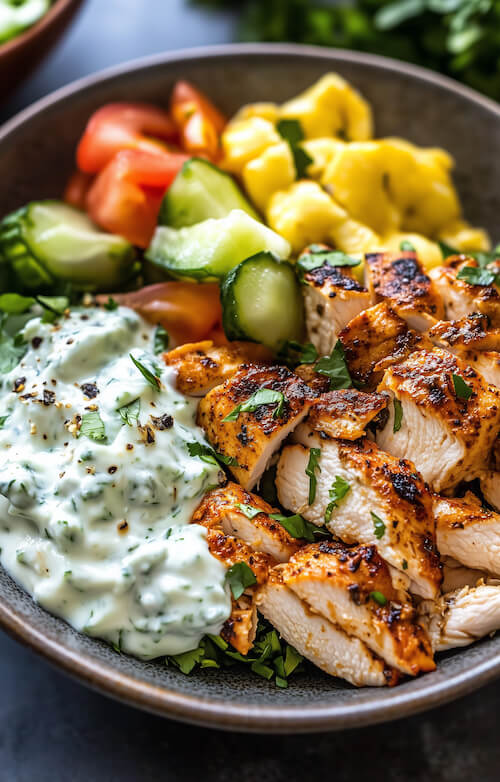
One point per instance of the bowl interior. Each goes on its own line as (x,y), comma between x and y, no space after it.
(36,156)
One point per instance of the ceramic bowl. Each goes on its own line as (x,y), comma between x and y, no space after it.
(36,156)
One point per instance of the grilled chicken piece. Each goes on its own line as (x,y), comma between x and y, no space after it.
(463,616)
(253,437)
(346,413)
(239,630)
(471,333)
(376,339)
(486,362)
(387,505)
(201,366)
(222,508)
(447,436)
(351,586)
(399,278)
(332,297)
(459,297)
(323,643)
(307,373)
(468,533)
(456,575)
(490,486)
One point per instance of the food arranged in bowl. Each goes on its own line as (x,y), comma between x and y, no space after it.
(251,392)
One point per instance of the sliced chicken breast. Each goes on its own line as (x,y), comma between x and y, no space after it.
(323,643)
(468,533)
(346,413)
(486,362)
(387,503)
(399,279)
(252,437)
(307,373)
(332,297)
(376,339)
(461,617)
(351,586)
(447,435)
(471,333)
(456,575)
(459,297)
(490,486)
(200,366)
(246,516)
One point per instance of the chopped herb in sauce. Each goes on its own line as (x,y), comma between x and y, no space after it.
(92,426)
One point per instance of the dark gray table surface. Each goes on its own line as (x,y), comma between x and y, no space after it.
(53,730)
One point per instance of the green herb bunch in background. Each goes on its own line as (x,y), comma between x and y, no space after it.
(457,37)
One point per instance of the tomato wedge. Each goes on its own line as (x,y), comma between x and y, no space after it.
(118,126)
(199,122)
(189,311)
(77,187)
(125,197)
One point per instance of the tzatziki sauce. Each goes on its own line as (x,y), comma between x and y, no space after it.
(98,486)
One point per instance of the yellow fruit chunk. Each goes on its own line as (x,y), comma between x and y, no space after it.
(428,253)
(464,237)
(322,151)
(272,170)
(244,140)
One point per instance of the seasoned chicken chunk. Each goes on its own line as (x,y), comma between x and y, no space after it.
(376,339)
(470,333)
(307,373)
(332,297)
(463,616)
(319,640)
(399,279)
(251,437)
(456,575)
(387,503)
(239,630)
(201,366)
(239,513)
(486,363)
(490,486)
(346,413)
(447,435)
(351,586)
(468,533)
(460,297)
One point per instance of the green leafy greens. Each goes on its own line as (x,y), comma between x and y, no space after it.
(334,367)
(240,576)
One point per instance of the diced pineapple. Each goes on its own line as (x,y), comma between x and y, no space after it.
(429,253)
(272,170)
(322,151)
(265,110)
(244,140)
(464,237)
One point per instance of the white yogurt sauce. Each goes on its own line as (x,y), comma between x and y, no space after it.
(97,531)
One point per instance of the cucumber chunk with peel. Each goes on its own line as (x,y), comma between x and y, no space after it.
(208,250)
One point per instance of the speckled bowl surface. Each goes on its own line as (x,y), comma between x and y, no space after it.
(36,155)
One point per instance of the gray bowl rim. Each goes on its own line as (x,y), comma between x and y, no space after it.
(205,711)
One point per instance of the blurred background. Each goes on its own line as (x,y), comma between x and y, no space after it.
(52,729)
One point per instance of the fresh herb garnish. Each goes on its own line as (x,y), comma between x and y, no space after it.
(298,527)
(478,276)
(379,598)
(161,340)
(312,466)
(186,661)
(264,396)
(15,304)
(447,250)
(92,426)
(398,415)
(291,131)
(316,256)
(130,413)
(240,576)
(248,510)
(378,525)
(54,307)
(339,489)
(462,390)
(406,246)
(334,367)
(3,419)
(293,353)
(111,304)
(207,454)
(152,379)
(405,564)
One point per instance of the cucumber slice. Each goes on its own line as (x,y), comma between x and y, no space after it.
(210,249)
(48,241)
(262,302)
(200,191)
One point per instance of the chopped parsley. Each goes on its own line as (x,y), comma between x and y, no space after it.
(339,489)
(478,276)
(293,353)
(240,576)
(92,426)
(291,131)
(405,564)
(207,454)
(316,256)
(378,525)
(161,339)
(111,304)
(264,396)
(462,390)
(379,598)
(298,527)
(3,419)
(152,379)
(130,413)
(398,415)
(334,367)
(248,510)
(312,466)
